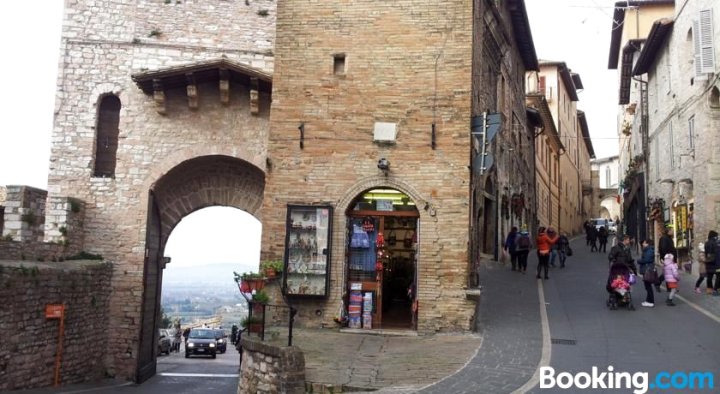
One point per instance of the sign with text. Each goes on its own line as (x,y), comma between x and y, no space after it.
(54,311)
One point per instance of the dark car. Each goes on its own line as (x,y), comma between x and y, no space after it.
(201,341)
(164,342)
(222,340)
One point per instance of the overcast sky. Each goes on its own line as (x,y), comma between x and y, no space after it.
(574,31)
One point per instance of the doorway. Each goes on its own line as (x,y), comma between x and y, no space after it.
(381,261)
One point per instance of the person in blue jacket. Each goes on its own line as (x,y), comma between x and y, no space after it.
(647,262)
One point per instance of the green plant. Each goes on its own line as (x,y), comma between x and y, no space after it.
(85,256)
(28,218)
(136,40)
(261,297)
(247,321)
(251,275)
(8,237)
(63,230)
(155,33)
(263,12)
(276,265)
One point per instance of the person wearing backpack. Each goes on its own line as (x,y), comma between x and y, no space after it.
(522,249)
(511,248)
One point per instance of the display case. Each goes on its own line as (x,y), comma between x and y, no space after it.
(307,251)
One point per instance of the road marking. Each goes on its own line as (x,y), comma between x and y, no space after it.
(699,308)
(201,375)
(546,347)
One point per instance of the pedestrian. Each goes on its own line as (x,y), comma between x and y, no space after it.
(620,253)
(544,243)
(510,247)
(233,333)
(712,262)
(593,239)
(553,250)
(186,334)
(701,267)
(672,277)
(563,246)
(647,262)
(602,239)
(522,249)
(587,226)
(665,246)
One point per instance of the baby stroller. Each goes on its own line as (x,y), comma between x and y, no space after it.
(618,286)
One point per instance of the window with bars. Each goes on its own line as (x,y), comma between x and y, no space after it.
(106,138)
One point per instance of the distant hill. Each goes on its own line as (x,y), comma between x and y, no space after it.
(214,274)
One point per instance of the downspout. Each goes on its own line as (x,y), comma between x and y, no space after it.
(644,135)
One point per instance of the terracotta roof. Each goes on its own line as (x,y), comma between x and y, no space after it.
(202,71)
(523,35)
(661,29)
(617,26)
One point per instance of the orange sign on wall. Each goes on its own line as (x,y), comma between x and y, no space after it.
(54,311)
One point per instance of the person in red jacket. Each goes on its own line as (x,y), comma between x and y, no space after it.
(544,241)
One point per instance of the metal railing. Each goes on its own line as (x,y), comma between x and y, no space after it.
(274,313)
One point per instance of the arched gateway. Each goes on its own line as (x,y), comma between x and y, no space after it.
(194,184)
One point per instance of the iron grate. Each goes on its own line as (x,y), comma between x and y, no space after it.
(558,341)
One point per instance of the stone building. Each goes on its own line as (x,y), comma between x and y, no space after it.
(572,160)
(164,108)
(372,103)
(680,113)
(605,188)
(631,24)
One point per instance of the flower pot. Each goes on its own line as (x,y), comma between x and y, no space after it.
(270,273)
(252,284)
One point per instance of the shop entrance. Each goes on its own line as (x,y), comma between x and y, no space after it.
(381,261)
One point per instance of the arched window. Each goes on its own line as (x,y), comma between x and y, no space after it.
(608,181)
(106,138)
(714,99)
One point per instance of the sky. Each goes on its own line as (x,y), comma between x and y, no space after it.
(574,31)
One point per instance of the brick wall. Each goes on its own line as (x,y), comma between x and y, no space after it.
(28,348)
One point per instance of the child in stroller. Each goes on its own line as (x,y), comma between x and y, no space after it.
(618,287)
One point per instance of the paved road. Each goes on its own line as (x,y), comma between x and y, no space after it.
(586,333)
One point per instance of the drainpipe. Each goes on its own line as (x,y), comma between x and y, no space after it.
(644,135)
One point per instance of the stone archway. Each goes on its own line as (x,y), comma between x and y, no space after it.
(197,183)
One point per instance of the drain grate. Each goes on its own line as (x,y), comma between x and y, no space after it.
(558,341)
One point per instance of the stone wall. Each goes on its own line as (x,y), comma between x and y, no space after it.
(29,340)
(271,369)
(24,213)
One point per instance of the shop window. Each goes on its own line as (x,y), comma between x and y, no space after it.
(106,138)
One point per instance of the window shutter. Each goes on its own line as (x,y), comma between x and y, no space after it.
(696,50)
(703,45)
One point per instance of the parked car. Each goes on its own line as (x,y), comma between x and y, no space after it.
(221,337)
(164,341)
(201,341)
(600,222)
(612,227)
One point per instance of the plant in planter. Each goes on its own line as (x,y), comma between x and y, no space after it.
(252,324)
(249,281)
(272,268)
(261,297)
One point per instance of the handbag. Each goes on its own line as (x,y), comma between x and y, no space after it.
(569,251)
(650,275)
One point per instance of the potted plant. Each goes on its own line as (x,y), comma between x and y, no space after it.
(259,299)
(249,281)
(272,268)
(252,324)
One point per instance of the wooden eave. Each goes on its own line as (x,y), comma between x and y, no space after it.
(202,71)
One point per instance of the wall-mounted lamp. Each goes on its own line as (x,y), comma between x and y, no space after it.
(302,135)
(384,165)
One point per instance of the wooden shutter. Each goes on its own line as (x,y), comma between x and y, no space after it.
(703,44)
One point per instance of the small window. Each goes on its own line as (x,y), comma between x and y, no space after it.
(339,64)
(106,137)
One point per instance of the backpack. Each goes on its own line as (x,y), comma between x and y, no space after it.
(523,242)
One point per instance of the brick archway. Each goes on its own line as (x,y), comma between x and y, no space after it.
(200,182)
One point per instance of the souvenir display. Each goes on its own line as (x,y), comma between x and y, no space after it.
(307,250)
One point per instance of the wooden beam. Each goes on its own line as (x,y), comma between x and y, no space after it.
(192,91)
(254,96)
(224,86)
(159,96)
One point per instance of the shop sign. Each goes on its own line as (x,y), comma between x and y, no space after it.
(54,311)
(356,286)
(384,205)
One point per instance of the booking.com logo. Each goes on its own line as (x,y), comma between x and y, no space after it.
(640,382)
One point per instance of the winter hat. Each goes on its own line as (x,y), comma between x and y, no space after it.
(712,234)
(669,258)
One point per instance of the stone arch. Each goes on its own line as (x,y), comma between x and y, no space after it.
(192,184)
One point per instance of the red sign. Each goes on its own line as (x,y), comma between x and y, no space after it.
(54,311)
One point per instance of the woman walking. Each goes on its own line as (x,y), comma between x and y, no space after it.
(544,244)
(647,262)
(510,247)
